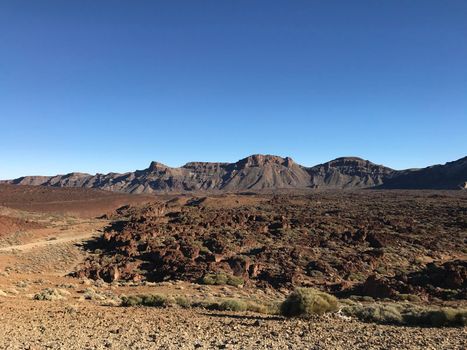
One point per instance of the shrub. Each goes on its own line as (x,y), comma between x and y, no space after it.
(235,281)
(363,298)
(51,294)
(132,300)
(308,301)
(233,305)
(144,300)
(222,279)
(409,315)
(157,300)
(274,308)
(385,314)
(443,317)
(409,297)
(183,302)
(258,308)
(214,279)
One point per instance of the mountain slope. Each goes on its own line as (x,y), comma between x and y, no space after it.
(258,172)
(452,175)
(349,172)
(252,173)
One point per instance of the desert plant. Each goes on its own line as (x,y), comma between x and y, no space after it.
(308,301)
(409,297)
(410,315)
(235,281)
(214,279)
(233,305)
(258,308)
(222,279)
(144,300)
(442,317)
(183,302)
(386,314)
(132,300)
(51,294)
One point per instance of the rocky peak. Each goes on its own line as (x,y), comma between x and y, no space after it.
(260,160)
(155,166)
(355,163)
(208,165)
(349,161)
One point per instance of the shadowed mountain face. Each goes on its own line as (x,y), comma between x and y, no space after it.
(259,172)
(452,175)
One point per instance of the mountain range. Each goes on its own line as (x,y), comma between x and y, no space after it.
(259,172)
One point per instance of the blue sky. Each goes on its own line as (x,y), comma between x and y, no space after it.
(99,86)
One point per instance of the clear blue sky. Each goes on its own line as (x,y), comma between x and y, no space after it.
(99,86)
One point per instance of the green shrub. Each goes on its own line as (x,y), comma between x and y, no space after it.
(364,298)
(409,297)
(258,308)
(154,300)
(233,305)
(222,279)
(385,314)
(235,281)
(214,279)
(443,317)
(51,294)
(308,301)
(132,300)
(204,304)
(410,315)
(274,308)
(183,302)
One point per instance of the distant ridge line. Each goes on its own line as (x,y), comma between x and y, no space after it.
(260,172)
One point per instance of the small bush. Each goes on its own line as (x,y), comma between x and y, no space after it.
(409,297)
(409,315)
(274,308)
(235,281)
(258,308)
(214,279)
(308,301)
(363,298)
(154,300)
(183,302)
(51,294)
(385,314)
(233,305)
(132,300)
(222,279)
(443,317)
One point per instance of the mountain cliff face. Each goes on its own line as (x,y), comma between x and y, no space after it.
(349,172)
(452,175)
(258,172)
(252,173)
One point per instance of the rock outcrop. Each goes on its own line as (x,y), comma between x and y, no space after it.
(338,241)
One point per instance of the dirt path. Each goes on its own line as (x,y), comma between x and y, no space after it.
(73,236)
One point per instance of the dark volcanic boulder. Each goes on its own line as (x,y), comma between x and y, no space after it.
(450,275)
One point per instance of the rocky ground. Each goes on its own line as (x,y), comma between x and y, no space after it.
(43,308)
(71,325)
(380,244)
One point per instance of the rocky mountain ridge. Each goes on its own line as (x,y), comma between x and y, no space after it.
(260,172)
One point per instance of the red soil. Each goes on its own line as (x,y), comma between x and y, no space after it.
(71,201)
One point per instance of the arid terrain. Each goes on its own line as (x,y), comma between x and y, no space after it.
(71,259)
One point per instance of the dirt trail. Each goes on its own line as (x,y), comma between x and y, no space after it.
(73,236)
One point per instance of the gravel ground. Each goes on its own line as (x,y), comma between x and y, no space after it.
(63,325)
